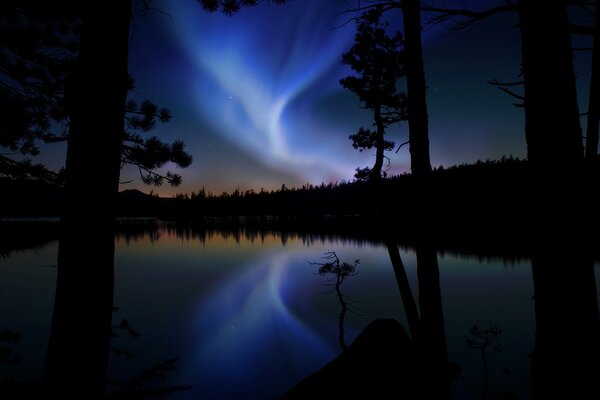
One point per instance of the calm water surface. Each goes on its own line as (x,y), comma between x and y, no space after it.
(248,317)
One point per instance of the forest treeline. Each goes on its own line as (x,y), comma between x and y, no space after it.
(485,191)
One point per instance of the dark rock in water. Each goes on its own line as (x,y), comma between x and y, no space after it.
(381,363)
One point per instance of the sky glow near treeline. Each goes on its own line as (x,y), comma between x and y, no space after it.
(256,96)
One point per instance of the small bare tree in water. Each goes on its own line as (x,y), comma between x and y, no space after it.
(483,340)
(341,270)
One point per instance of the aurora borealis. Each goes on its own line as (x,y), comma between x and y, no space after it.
(256,97)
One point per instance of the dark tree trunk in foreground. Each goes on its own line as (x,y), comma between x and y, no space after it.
(552,128)
(432,336)
(418,123)
(78,348)
(96,102)
(593,117)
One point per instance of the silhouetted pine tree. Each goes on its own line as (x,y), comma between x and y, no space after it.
(378,60)
(418,120)
(38,49)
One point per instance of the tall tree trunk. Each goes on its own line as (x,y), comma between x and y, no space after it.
(96,104)
(418,123)
(552,127)
(432,337)
(77,355)
(593,116)
(379,144)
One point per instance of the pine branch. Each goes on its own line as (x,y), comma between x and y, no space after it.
(471,17)
(506,84)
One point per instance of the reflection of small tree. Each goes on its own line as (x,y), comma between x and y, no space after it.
(123,326)
(484,341)
(341,270)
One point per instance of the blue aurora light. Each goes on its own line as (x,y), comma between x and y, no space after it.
(260,75)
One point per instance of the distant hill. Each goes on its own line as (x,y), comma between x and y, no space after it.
(135,203)
(133,194)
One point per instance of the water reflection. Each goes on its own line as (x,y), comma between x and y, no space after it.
(340,271)
(259,229)
(431,339)
(252,319)
(245,314)
(400,366)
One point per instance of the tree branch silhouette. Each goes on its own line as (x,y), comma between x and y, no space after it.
(377,59)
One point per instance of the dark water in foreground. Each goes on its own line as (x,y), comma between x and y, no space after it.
(248,316)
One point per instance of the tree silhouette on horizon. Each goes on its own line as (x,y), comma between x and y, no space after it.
(414,69)
(378,59)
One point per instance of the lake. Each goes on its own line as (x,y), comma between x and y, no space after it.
(247,315)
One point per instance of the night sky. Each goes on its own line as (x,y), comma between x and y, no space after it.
(257,101)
